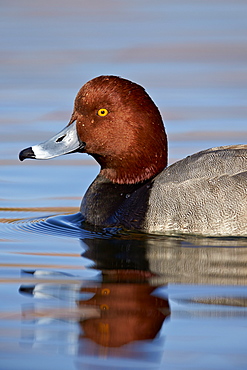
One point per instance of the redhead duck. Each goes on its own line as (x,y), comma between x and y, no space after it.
(116,122)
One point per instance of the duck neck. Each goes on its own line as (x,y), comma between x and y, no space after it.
(106,203)
(131,170)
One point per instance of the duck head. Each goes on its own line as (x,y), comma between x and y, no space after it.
(115,121)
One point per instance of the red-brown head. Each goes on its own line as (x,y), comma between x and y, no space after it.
(116,122)
(122,129)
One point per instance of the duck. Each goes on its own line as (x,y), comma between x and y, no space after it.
(116,122)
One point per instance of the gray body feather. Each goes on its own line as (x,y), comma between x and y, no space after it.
(205,193)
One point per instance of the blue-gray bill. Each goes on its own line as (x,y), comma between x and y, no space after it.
(65,142)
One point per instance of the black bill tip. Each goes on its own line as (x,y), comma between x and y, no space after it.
(26,153)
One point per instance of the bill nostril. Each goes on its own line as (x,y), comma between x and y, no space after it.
(60,139)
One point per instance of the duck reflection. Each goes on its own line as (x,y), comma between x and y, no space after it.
(121,306)
(126,313)
(128,310)
(175,260)
(119,309)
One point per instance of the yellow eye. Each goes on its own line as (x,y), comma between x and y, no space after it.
(102,112)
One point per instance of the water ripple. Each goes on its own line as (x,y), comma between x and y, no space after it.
(61,225)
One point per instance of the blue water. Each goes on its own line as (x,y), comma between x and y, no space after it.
(75,298)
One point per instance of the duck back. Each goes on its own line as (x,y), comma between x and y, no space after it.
(205,193)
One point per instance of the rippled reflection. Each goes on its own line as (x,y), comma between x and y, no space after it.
(146,290)
(120,309)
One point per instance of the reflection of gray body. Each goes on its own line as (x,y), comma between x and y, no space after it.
(173,260)
(197,260)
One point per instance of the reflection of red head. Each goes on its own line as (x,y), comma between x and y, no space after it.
(127,313)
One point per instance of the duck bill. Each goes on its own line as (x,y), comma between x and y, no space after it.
(65,142)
